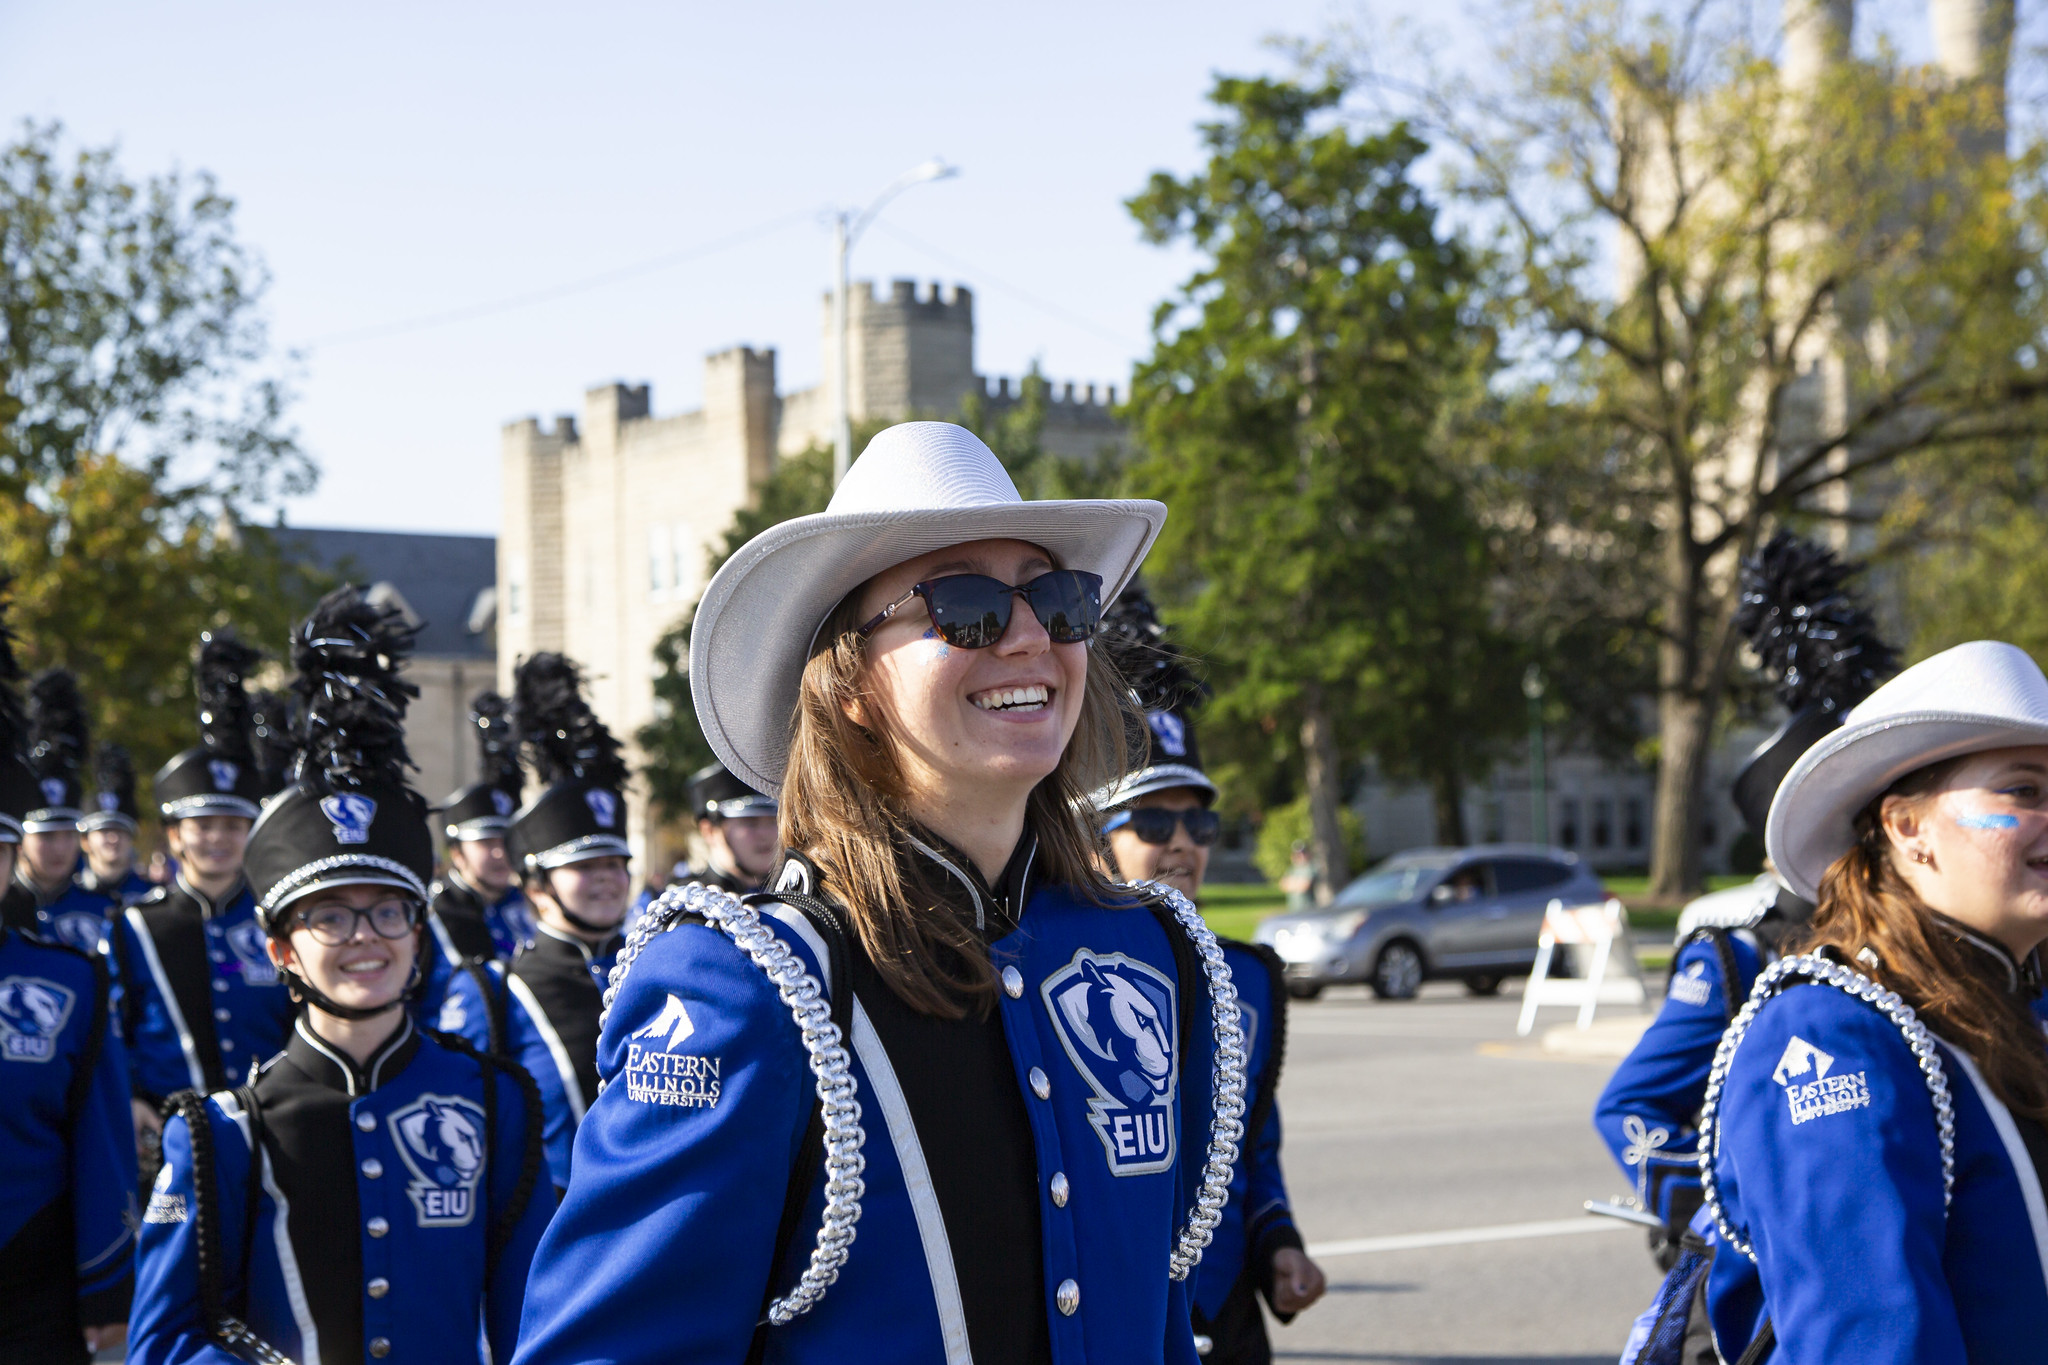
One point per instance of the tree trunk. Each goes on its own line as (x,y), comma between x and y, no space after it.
(1685,719)
(1447,791)
(1325,794)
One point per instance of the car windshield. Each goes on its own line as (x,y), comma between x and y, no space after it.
(1394,881)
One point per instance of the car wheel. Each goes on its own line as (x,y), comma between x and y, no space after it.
(1486,983)
(1304,990)
(1397,974)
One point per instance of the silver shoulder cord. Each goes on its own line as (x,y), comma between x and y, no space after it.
(829,1062)
(236,1335)
(1846,979)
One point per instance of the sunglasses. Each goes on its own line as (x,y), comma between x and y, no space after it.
(1154,824)
(971,610)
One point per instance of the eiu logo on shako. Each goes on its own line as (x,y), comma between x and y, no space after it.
(53,790)
(657,1074)
(604,807)
(350,813)
(441,1138)
(501,801)
(32,1015)
(223,774)
(1170,732)
(1813,1088)
(1115,1018)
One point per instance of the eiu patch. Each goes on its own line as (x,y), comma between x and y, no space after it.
(1115,1018)
(1692,987)
(657,1074)
(441,1138)
(32,1015)
(164,1207)
(1813,1088)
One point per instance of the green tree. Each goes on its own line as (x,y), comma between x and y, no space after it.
(1322,549)
(1762,293)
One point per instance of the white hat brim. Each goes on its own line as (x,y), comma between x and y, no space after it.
(754,627)
(1813,816)
(1157,777)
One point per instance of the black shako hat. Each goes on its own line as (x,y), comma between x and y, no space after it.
(715,794)
(218,776)
(18,791)
(1821,646)
(483,809)
(58,743)
(1167,690)
(112,803)
(348,817)
(581,811)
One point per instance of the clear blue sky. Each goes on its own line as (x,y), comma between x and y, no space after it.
(394,162)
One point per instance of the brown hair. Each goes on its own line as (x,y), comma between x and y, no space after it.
(842,806)
(1866,903)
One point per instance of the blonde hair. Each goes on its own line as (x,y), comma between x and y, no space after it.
(843,807)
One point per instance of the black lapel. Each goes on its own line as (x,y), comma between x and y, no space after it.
(178,932)
(462,914)
(559,976)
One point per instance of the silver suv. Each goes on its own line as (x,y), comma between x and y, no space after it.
(1467,913)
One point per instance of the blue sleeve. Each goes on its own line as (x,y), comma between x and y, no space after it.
(661,1249)
(1646,1113)
(506,1293)
(1831,1149)
(1269,1222)
(168,1326)
(103,1180)
(464,1011)
(156,1057)
(525,1045)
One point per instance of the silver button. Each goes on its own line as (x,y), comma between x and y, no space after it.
(227,1045)
(1040,1086)
(1013,982)
(379,1226)
(367,1122)
(1068,1297)
(218,957)
(1059,1189)
(380,1347)
(378,1287)
(1204,1345)
(373,1168)
(222,1015)
(219,984)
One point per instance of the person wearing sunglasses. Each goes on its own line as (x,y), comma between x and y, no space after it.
(1160,828)
(946,1091)
(369,1193)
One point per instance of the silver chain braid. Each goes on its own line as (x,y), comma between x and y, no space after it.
(1885,1002)
(1226,1127)
(236,1335)
(808,1005)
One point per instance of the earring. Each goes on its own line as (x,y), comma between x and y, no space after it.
(1921,855)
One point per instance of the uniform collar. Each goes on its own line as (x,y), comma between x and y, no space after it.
(2021,978)
(544,933)
(328,1065)
(996,910)
(27,884)
(209,909)
(91,882)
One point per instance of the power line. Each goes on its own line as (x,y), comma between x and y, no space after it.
(980,276)
(505,305)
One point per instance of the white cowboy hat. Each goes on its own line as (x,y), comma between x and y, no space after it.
(1983,695)
(918,487)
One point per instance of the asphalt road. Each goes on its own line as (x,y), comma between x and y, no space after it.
(1414,1122)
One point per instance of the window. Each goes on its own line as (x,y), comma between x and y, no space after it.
(1603,821)
(684,556)
(515,587)
(1632,821)
(659,564)
(1513,875)
(1568,822)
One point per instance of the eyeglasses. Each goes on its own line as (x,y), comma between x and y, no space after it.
(971,610)
(335,925)
(1154,824)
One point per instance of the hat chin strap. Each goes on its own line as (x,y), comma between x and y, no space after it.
(585,925)
(304,990)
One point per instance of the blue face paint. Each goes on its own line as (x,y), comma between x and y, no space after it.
(1988,821)
(945,650)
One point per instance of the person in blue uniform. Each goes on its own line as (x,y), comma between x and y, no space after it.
(47,872)
(1160,828)
(946,1092)
(570,845)
(369,1194)
(475,910)
(67,1195)
(108,829)
(201,1000)
(1878,1114)
(1822,649)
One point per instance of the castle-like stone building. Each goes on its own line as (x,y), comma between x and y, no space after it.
(610,515)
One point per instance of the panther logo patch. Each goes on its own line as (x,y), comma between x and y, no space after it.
(1115,1018)
(32,1016)
(441,1138)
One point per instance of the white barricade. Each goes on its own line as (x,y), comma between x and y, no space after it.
(1601,928)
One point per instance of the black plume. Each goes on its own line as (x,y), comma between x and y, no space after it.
(58,738)
(1812,635)
(497,741)
(222,683)
(351,727)
(1161,675)
(113,771)
(13,718)
(567,737)
(270,737)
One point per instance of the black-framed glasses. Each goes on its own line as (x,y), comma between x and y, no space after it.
(972,610)
(335,925)
(1154,824)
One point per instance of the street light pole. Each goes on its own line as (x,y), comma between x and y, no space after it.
(846,230)
(1539,795)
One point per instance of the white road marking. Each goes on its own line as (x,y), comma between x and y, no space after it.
(1499,1232)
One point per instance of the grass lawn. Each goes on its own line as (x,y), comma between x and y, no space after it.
(1233,909)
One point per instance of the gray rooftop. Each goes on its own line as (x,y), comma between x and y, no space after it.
(438,578)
